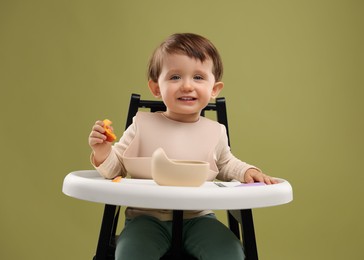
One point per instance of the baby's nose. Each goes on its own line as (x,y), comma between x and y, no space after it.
(187,86)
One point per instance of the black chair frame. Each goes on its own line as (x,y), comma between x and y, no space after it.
(240,221)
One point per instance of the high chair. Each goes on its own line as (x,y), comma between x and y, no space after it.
(240,221)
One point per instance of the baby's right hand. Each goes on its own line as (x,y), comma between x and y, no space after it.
(97,141)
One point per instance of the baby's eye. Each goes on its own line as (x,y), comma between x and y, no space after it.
(175,77)
(198,77)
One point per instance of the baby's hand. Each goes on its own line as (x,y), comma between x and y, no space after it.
(253,175)
(97,135)
(98,142)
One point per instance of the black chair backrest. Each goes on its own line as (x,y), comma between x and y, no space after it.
(135,103)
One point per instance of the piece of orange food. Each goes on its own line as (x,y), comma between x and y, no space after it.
(110,136)
(117,179)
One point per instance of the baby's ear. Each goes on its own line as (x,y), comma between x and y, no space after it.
(154,88)
(216,89)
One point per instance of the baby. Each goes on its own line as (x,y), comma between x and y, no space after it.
(185,71)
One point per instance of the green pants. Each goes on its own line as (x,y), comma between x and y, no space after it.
(204,237)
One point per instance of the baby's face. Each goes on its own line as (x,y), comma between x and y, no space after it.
(186,86)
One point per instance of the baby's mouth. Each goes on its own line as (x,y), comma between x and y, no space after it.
(186,98)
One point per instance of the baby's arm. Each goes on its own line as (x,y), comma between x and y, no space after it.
(100,146)
(231,167)
(109,162)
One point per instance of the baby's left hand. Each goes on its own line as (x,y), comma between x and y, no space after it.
(253,175)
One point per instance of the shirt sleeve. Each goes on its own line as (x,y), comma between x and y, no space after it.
(230,167)
(113,165)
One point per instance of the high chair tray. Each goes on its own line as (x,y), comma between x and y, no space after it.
(90,186)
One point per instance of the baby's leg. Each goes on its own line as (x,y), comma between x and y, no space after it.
(143,238)
(206,238)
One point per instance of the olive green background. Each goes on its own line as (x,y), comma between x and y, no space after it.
(293,83)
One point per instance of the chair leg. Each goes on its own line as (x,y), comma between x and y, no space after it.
(177,227)
(106,232)
(245,218)
(248,232)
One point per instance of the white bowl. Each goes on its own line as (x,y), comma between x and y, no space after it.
(169,172)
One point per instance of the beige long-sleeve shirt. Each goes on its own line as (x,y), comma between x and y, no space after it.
(204,140)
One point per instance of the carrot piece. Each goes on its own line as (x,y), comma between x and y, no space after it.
(110,136)
(117,179)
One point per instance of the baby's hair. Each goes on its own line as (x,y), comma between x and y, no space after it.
(192,45)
